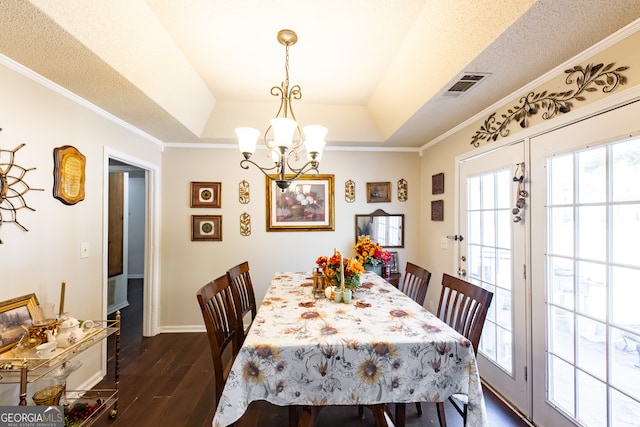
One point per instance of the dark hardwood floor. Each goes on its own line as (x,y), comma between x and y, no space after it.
(167,380)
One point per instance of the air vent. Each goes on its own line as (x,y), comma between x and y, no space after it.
(465,83)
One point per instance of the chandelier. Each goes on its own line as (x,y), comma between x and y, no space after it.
(283,137)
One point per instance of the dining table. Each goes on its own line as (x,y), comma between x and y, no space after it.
(382,347)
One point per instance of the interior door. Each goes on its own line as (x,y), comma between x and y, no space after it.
(116,221)
(585,232)
(493,256)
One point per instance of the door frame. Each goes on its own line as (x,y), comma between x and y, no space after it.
(151,245)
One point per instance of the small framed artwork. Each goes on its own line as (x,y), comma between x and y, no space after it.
(307,205)
(206,194)
(437,210)
(378,192)
(68,174)
(16,314)
(437,183)
(206,228)
(394,262)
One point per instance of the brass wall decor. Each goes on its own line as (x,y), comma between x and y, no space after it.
(245,224)
(244,195)
(403,190)
(13,187)
(350,191)
(585,79)
(68,174)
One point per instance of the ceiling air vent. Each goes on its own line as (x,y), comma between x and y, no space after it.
(465,83)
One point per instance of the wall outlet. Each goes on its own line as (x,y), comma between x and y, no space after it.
(444,243)
(84,250)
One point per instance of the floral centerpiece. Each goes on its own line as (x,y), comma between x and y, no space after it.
(331,268)
(371,254)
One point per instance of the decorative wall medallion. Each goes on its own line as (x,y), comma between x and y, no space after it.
(403,190)
(206,194)
(245,224)
(206,228)
(585,79)
(244,195)
(68,174)
(13,188)
(350,191)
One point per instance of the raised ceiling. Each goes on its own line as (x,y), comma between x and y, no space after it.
(375,72)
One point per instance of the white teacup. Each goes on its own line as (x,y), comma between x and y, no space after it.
(46,349)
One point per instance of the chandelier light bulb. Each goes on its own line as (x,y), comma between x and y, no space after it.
(247,140)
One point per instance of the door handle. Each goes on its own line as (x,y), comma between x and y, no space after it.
(462,272)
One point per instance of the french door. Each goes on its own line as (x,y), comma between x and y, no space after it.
(493,218)
(585,230)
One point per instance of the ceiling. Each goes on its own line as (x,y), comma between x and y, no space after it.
(375,72)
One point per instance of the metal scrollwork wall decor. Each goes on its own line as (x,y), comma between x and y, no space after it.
(244,195)
(245,224)
(13,187)
(521,193)
(350,191)
(403,190)
(586,79)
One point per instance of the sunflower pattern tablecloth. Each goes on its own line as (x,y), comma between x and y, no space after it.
(383,347)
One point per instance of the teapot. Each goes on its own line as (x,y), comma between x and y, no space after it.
(69,331)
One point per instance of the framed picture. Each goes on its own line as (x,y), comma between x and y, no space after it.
(206,194)
(394,262)
(378,192)
(206,228)
(437,210)
(307,205)
(14,314)
(437,183)
(68,174)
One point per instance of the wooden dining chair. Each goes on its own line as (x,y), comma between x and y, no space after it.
(216,304)
(415,283)
(463,306)
(244,297)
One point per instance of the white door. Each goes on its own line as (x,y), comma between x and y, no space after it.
(585,231)
(493,217)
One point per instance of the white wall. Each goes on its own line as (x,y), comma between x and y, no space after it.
(49,253)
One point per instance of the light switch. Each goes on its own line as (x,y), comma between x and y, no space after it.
(444,243)
(84,250)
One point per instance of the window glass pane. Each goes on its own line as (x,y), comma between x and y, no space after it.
(592,175)
(474,228)
(474,261)
(502,300)
(625,296)
(503,278)
(489,265)
(491,313)
(625,373)
(488,191)
(561,231)
(625,411)
(592,401)
(561,175)
(504,356)
(473,192)
(592,351)
(626,234)
(561,333)
(562,389)
(504,229)
(625,160)
(488,228)
(592,288)
(488,340)
(561,282)
(592,232)
(503,188)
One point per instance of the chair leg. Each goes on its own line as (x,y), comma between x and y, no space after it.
(441,416)
(401,414)
(419,409)
(293,416)
(361,412)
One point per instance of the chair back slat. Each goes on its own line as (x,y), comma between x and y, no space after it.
(415,283)
(464,306)
(216,303)
(243,294)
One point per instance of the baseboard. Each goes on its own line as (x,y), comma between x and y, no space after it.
(117,307)
(135,276)
(507,403)
(186,328)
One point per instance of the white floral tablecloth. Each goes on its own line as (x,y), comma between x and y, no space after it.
(383,347)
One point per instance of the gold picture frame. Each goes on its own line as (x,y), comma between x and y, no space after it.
(206,228)
(307,205)
(68,174)
(16,313)
(378,192)
(206,194)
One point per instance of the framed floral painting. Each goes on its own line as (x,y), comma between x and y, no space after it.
(307,205)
